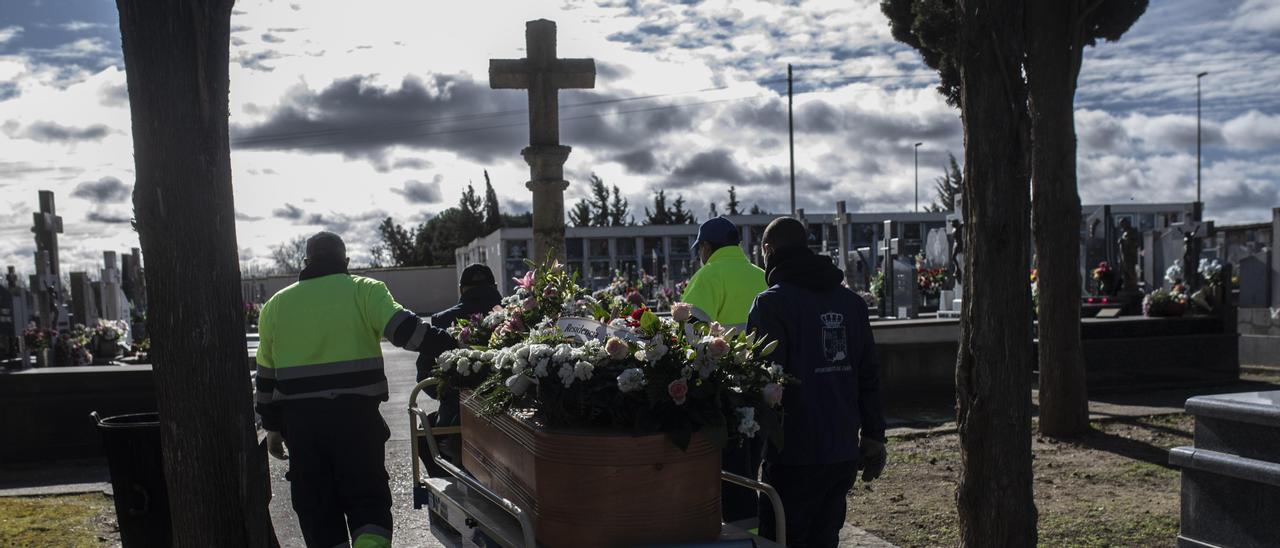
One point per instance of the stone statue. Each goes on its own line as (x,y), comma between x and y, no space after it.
(1129,241)
(957,250)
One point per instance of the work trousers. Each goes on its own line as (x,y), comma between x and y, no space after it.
(813,498)
(336,473)
(741,457)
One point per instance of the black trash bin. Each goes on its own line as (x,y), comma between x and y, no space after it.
(132,444)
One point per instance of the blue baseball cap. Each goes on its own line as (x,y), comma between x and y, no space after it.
(717,232)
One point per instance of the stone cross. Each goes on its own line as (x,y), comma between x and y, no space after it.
(47,283)
(842,240)
(544,75)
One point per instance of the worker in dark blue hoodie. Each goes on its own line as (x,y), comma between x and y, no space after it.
(824,339)
(477,294)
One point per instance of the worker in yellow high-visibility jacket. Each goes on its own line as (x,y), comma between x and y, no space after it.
(319,384)
(722,291)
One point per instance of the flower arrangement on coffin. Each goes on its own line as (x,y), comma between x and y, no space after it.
(1165,302)
(636,372)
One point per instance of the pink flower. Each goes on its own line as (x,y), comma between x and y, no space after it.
(530,304)
(717,348)
(550,292)
(465,336)
(617,349)
(678,390)
(715,329)
(772,393)
(681,312)
(525,282)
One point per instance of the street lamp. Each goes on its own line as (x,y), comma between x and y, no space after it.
(1199,208)
(917,151)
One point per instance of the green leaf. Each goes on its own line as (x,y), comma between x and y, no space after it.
(769,348)
(649,322)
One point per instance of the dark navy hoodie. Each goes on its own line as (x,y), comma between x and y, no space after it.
(824,339)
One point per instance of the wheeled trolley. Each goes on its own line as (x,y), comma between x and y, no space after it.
(464,513)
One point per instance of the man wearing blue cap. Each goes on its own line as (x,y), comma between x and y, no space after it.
(722,291)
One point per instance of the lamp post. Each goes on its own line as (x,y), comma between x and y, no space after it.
(1199,207)
(916,148)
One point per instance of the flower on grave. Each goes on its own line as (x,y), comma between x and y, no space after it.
(678,390)
(681,312)
(1173,274)
(742,356)
(617,349)
(747,424)
(715,329)
(772,394)
(583,370)
(464,336)
(631,380)
(653,351)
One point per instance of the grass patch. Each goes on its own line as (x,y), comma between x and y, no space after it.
(70,520)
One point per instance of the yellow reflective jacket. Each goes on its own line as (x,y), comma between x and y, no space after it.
(724,288)
(320,338)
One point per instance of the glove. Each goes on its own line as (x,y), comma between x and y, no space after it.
(874,457)
(275,446)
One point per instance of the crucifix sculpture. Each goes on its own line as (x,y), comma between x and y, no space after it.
(544,75)
(48,280)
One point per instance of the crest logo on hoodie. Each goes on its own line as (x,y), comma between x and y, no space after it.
(835,342)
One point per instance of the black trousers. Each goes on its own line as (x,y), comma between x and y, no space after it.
(741,458)
(813,498)
(336,473)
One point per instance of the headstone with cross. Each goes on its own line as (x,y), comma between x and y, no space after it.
(544,75)
(13,318)
(115,307)
(48,279)
(842,241)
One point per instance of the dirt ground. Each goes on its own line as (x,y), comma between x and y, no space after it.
(1112,487)
(68,520)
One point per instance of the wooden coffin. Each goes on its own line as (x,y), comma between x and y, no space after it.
(587,488)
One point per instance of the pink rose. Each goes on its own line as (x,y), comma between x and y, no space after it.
(772,393)
(717,348)
(617,349)
(681,312)
(678,390)
(530,304)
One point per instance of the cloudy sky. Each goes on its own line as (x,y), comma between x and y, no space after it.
(347,112)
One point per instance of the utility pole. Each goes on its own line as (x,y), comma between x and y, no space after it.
(917,151)
(1199,206)
(791,138)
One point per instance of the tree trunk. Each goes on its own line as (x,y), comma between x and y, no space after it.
(176,55)
(993,368)
(1052,63)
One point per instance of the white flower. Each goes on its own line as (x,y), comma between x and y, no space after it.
(583,370)
(540,370)
(747,425)
(566,374)
(742,356)
(631,379)
(519,384)
(774,370)
(562,353)
(618,323)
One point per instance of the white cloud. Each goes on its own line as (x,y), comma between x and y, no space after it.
(1258,15)
(9,33)
(1254,130)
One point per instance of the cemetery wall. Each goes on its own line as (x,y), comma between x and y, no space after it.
(44,413)
(422,289)
(1259,336)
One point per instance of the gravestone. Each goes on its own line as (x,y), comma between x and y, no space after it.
(114,305)
(937,249)
(955,262)
(1153,259)
(544,75)
(1190,234)
(47,282)
(906,294)
(13,318)
(131,280)
(1097,247)
(887,253)
(1255,282)
(842,241)
(1231,477)
(84,303)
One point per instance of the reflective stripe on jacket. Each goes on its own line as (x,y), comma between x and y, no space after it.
(725,287)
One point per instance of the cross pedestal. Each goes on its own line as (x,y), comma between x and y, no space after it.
(544,75)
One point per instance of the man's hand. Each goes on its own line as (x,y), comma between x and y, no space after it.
(275,446)
(874,457)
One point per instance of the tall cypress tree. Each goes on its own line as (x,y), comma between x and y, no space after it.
(492,213)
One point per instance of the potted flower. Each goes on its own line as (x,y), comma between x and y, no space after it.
(1104,279)
(567,386)
(106,340)
(1165,302)
(38,340)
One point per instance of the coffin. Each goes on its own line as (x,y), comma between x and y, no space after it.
(591,488)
